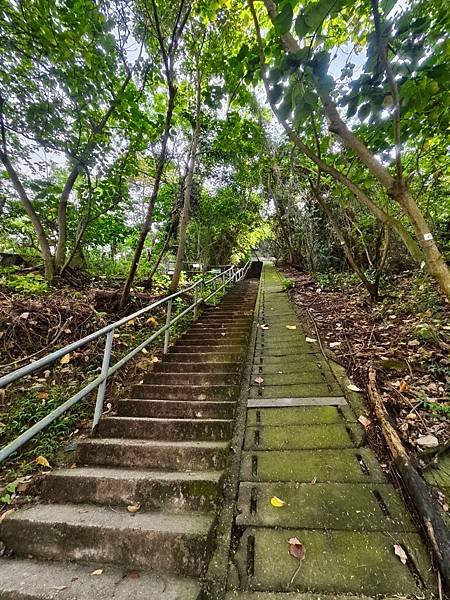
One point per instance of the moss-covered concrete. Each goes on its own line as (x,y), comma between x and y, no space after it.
(336,562)
(298,437)
(346,465)
(343,506)
(293,416)
(299,390)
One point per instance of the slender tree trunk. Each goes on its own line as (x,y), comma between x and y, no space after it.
(184,219)
(344,243)
(60,254)
(151,204)
(44,245)
(161,254)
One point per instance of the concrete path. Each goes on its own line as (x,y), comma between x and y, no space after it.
(303,445)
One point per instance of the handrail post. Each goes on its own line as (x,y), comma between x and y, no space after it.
(102,387)
(195,302)
(167,332)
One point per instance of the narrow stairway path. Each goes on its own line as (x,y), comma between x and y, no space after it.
(164,453)
(304,445)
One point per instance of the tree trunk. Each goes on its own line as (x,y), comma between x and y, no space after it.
(184,219)
(344,244)
(44,245)
(151,204)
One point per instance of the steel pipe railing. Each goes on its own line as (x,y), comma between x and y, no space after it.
(231,275)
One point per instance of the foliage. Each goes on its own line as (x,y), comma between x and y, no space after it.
(31,283)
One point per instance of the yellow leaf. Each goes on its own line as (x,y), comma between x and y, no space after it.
(353,388)
(133,508)
(97,572)
(65,359)
(310,340)
(41,460)
(291,326)
(277,502)
(155,359)
(152,321)
(129,323)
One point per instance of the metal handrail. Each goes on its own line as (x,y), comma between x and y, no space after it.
(231,275)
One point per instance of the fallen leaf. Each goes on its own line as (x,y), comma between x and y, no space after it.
(155,359)
(335,344)
(152,321)
(427,441)
(144,351)
(223,334)
(291,326)
(310,340)
(403,387)
(59,588)
(133,508)
(41,460)
(277,502)
(97,572)
(264,327)
(24,316)
(42,395)
(296,549)
(130,323)
(259,380)
(398,551)
(365,422)
(353,388)
(313,481)
(65,359)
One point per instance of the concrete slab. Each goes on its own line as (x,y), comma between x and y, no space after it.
(299,437)
(299,390)
(313,375)
(336,562)
(307,596)
(294,416)
(285,402)
(347,465)
(342,506)
(297,360)
(27,579)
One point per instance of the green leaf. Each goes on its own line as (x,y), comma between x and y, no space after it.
(301,27)
(283,20)
(320,63)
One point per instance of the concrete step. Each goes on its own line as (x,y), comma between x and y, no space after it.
(176,409)
(153,490)
(166,429)
(204,367)
(211,342)
(185,392)
(199,378)
(201,357)
(204,337)
(230,348)
(151,454)
(48,580)
(220,327)
(165,543)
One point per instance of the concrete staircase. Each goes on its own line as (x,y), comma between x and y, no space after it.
(165,450)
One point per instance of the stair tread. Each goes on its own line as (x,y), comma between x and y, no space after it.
(92,516)
(46,580)
(166,420)
(141,442)
(138,474)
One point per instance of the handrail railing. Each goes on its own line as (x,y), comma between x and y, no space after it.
(231,275)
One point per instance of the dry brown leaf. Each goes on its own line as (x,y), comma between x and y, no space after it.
(134,575)
(133,508)
(97,572)
(296,548)
(399,551)
(365,422)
